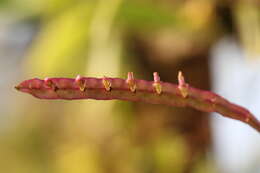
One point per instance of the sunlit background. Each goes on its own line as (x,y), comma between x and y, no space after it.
(216,43)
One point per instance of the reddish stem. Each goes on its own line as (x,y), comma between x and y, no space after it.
(154,92)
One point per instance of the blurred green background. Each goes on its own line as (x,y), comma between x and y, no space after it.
(64,38)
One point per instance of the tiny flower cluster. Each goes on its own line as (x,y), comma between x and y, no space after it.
(131,89)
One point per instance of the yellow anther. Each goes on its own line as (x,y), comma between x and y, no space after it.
(131,81)
(156,84)
(132,86)
(81,83)
(106,83)
(184,92)
(82,87)
(183,86)
(158,87)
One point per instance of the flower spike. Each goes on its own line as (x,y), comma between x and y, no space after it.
(181,95)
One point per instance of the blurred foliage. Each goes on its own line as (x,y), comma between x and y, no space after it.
(146,16)
(247,14)
(87,37)
(60,54)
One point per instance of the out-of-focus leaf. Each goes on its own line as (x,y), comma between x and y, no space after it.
(55,6)
(196,18)
(3,2)
(170,153)
(60,44)
(41,8)
(248,19)
(77,158)
(105,44)
(148,16)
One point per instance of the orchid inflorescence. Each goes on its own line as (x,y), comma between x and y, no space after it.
(131,89)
